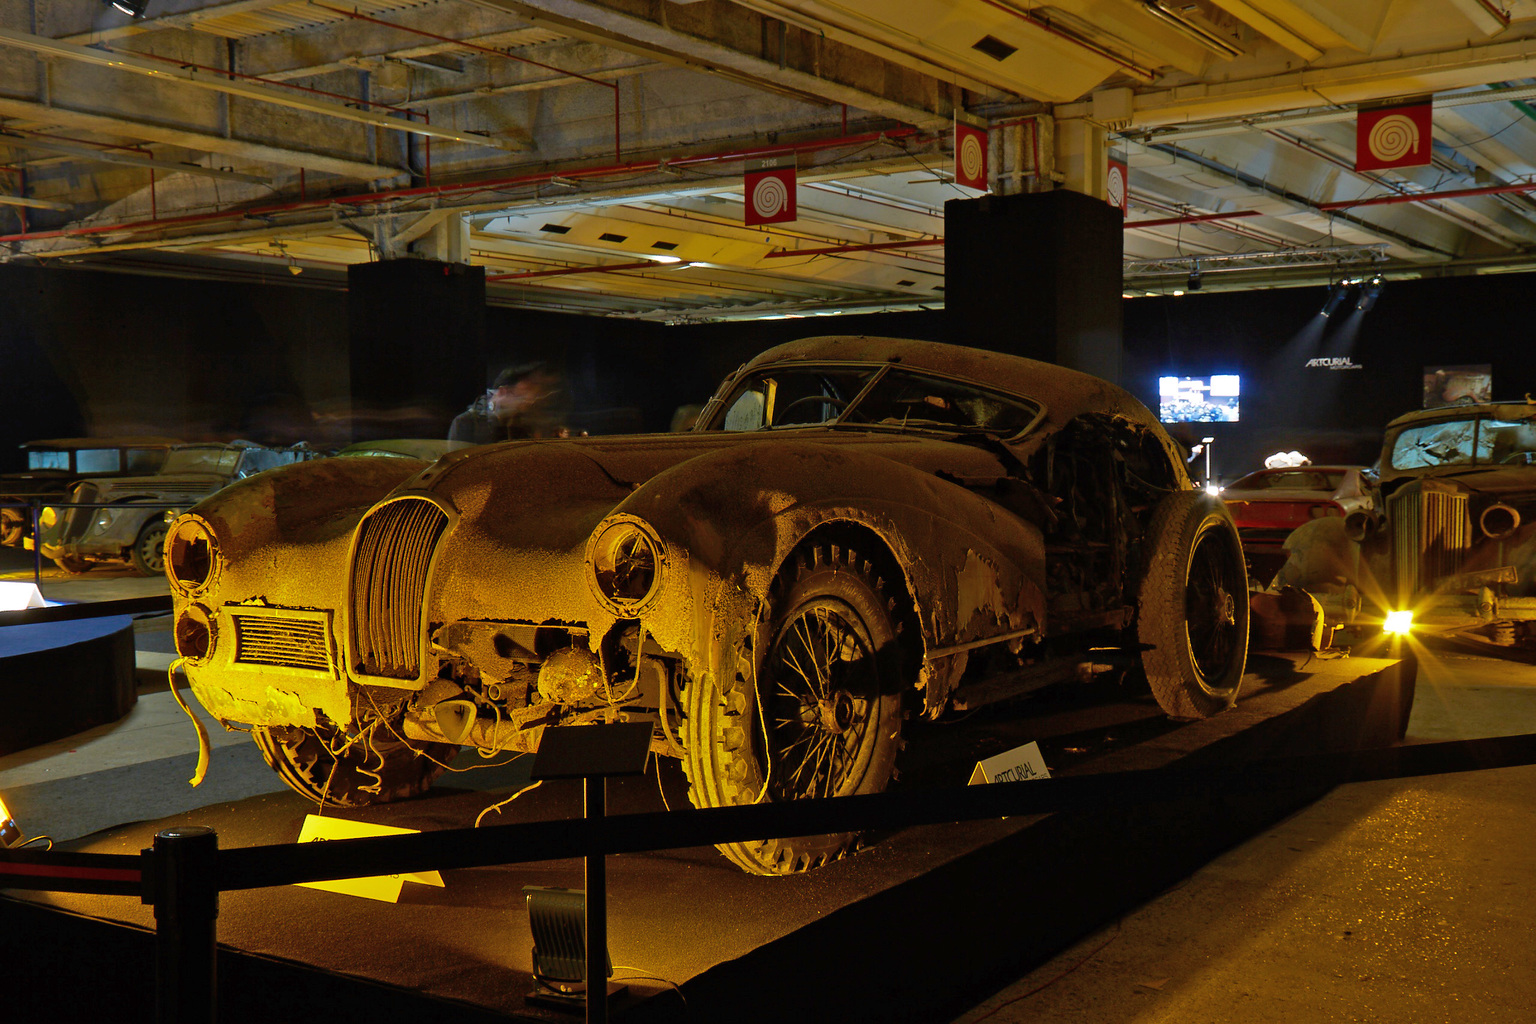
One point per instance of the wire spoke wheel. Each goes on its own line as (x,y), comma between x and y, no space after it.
(819,715)
(368,763)
(1192,608)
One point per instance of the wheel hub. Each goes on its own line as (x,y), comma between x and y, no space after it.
(835,713)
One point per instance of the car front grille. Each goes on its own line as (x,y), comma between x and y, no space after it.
(389,581)
(1431,532)
(281,642)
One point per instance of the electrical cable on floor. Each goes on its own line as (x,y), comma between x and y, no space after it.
(204,748)
(652,977)
(49,839)
(498,806)
(1045,985)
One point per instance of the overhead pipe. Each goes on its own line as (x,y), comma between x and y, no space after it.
(443,191)
(617,149)
(866,247)
(597,268)
(1043,22)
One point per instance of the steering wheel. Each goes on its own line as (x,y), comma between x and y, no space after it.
(836,403)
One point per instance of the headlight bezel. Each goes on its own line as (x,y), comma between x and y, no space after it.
(625,538)
(193,559)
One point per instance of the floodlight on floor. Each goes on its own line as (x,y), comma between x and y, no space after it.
(9,830)
(557,918)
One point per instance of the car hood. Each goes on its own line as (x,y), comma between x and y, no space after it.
(1498,483)
(167,488)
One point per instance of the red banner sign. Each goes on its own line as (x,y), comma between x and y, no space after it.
(1117,188)
(770,190)
(1393,137)
(971,157)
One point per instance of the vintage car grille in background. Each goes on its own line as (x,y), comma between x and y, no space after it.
(1430,532)
(389,581)
(286,643)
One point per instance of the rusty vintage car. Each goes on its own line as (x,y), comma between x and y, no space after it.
(850,525)
(55,465)
(1453,540)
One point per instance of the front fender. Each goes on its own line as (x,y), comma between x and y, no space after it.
(972,568)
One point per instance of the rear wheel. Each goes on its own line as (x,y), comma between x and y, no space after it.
(1192,609)
(825,716)
(367,764)
(13,526)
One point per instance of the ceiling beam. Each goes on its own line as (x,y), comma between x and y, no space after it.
(25,140)
(201,141)
(822,72)
(34,204)
(170,14)
(171,71)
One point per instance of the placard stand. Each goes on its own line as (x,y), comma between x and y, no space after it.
(593,753)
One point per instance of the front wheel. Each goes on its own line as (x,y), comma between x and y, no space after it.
(1192,608)
(148,552)
(368,764)
(824,718)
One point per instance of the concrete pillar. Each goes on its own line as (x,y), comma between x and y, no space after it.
(1037,274)
(417,344)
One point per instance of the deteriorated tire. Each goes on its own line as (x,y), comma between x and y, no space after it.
(13,527)
(148,550)
(1192,608)
(370,765)
(825,717)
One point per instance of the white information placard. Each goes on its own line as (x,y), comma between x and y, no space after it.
(1014,765)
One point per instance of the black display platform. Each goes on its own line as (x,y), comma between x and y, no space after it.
(917,927)
(61,678)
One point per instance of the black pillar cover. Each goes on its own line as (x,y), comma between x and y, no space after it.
(417,338)
(1038,275)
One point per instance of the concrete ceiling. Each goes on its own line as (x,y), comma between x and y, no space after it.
(589,153)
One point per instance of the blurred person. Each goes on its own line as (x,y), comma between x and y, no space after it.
(524,401)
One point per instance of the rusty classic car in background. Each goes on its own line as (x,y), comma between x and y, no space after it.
(56,465)
(851,526)
(1454,539)
(122,520)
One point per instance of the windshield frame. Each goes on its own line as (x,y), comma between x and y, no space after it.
(1477,417)
(712,419)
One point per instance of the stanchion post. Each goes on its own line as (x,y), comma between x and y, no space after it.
(186,897)
(594,794)
(35,507)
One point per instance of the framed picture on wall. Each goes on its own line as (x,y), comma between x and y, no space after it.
(1457,385)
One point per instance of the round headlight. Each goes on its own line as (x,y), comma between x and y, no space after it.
(625,562)
(191,555)
(195,633)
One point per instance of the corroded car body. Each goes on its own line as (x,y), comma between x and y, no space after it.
(1268,504)
(122,519)
(852,524)
(1454,537)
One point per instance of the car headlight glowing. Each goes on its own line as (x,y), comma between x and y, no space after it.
(192,558)
(1400,622)
(625,564)
(49,516)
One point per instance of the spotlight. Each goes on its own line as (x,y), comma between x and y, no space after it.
(1336,299)
(1194,280)
(9,832)
(557,919)
(132,8)
(1369,293)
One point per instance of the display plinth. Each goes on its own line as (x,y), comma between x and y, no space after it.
(920,919)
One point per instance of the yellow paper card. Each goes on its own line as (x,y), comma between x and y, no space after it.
(375,887)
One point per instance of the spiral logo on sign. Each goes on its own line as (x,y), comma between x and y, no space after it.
(1114,185)
(972,160)
(769,197)
(1393,137)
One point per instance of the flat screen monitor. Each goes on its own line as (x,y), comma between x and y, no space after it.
(1210,399)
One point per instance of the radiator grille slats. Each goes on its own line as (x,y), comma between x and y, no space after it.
(1431,532)
(389,581)
(285,643)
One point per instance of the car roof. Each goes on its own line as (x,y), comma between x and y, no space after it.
(1500,410)
(1064,392)
(134,441)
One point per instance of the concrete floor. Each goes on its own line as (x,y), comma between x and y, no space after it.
(1403,901)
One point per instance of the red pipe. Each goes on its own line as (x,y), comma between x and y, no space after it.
(1421,197)
(596,269)
(1191,219)
(438,191)
(870,247)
